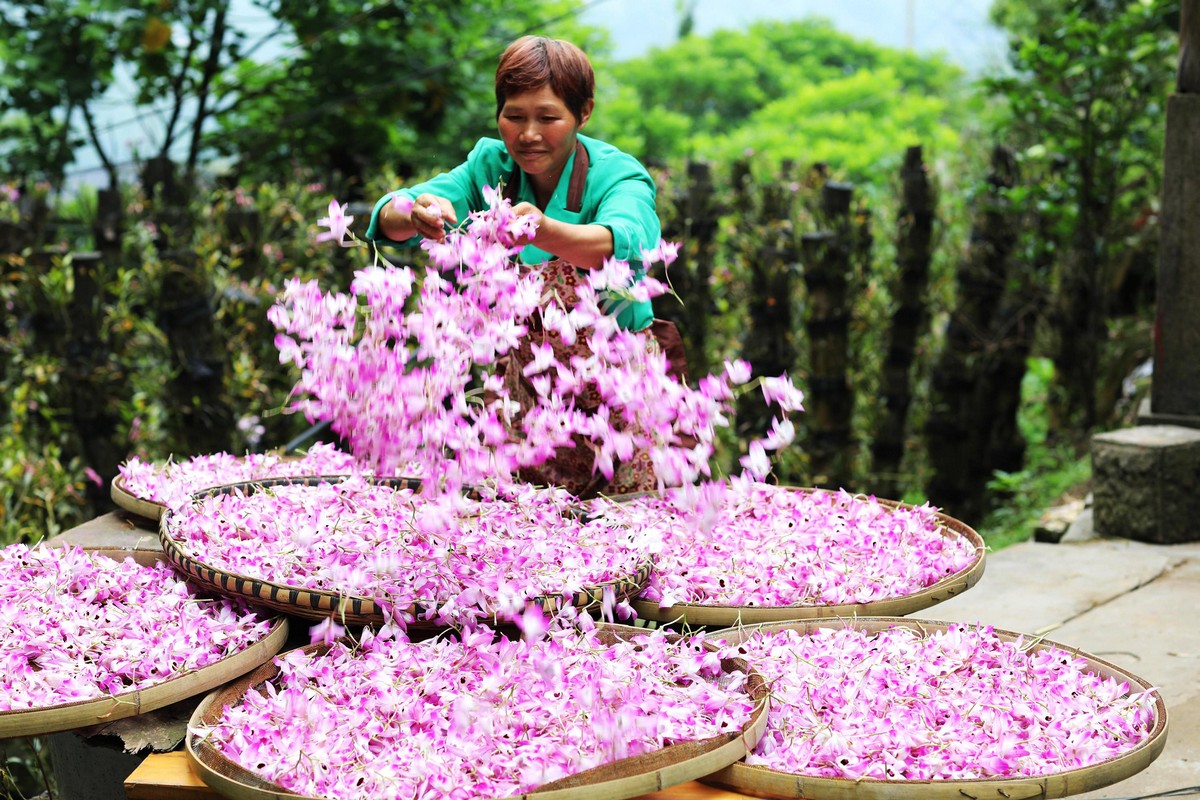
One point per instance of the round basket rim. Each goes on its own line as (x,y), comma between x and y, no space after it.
(722,614)
(600,782)
(128,501)
(319,604)
(152,509)
(764,781)
(107,708)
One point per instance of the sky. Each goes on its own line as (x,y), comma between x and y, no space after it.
(959,29)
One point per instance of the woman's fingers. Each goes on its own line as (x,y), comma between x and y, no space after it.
(429,215)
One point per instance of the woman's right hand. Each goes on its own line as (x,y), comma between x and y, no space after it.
(429,215)
(425,218)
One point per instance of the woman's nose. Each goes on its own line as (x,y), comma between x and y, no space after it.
(530,132)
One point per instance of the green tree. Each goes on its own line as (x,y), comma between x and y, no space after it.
(402,84)
(335,85)
(718,95)
(1085,105)
(61,57)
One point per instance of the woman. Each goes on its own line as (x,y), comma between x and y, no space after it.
(594,202)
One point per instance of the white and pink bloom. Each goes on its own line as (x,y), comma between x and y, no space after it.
(482,716)
(961,703)
(78,626)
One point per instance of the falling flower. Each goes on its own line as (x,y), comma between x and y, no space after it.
(337,222)
(396,365)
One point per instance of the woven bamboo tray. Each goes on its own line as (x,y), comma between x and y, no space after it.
(771,783)
(717,615)
(150,509)
(102,710)
(317,604)
(626,778)
(147,509)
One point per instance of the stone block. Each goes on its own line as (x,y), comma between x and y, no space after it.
(1146,483)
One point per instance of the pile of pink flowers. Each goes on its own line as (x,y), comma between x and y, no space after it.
(960,704)
(76,626)
(754,544)
(172,482)
(480,717)
(404,365)
(449,555)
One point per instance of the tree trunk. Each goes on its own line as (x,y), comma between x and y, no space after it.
(211,66)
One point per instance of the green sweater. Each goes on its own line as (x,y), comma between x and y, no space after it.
(619,194)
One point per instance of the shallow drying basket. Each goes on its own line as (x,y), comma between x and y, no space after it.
(772,783)
(629,777)
(318,604)
(152,509)
(124,498)
(110,708)
(717,615)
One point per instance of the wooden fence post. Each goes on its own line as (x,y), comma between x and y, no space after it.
(959,422)
(694,226)
(198,390)
(243,231)
(95,424)
(769,344)
(829,404)
(914,254)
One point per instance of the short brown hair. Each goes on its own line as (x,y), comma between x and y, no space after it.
(535,61)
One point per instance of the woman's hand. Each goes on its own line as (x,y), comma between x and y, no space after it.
(426,218)
(429,215)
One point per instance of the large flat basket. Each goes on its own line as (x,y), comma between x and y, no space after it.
(765,782)
(718,615)
(629,777)
(318,604)
(110,708)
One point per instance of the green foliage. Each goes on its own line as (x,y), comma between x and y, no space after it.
(41,487)
(1085,109)
(858,124)
(1054,467)
(797,90)
(60,58)
(402,83)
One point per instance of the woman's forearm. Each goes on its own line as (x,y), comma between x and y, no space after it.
(582,245)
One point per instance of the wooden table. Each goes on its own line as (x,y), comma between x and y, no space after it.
(169,776)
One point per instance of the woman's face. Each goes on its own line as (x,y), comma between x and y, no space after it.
(539,132)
